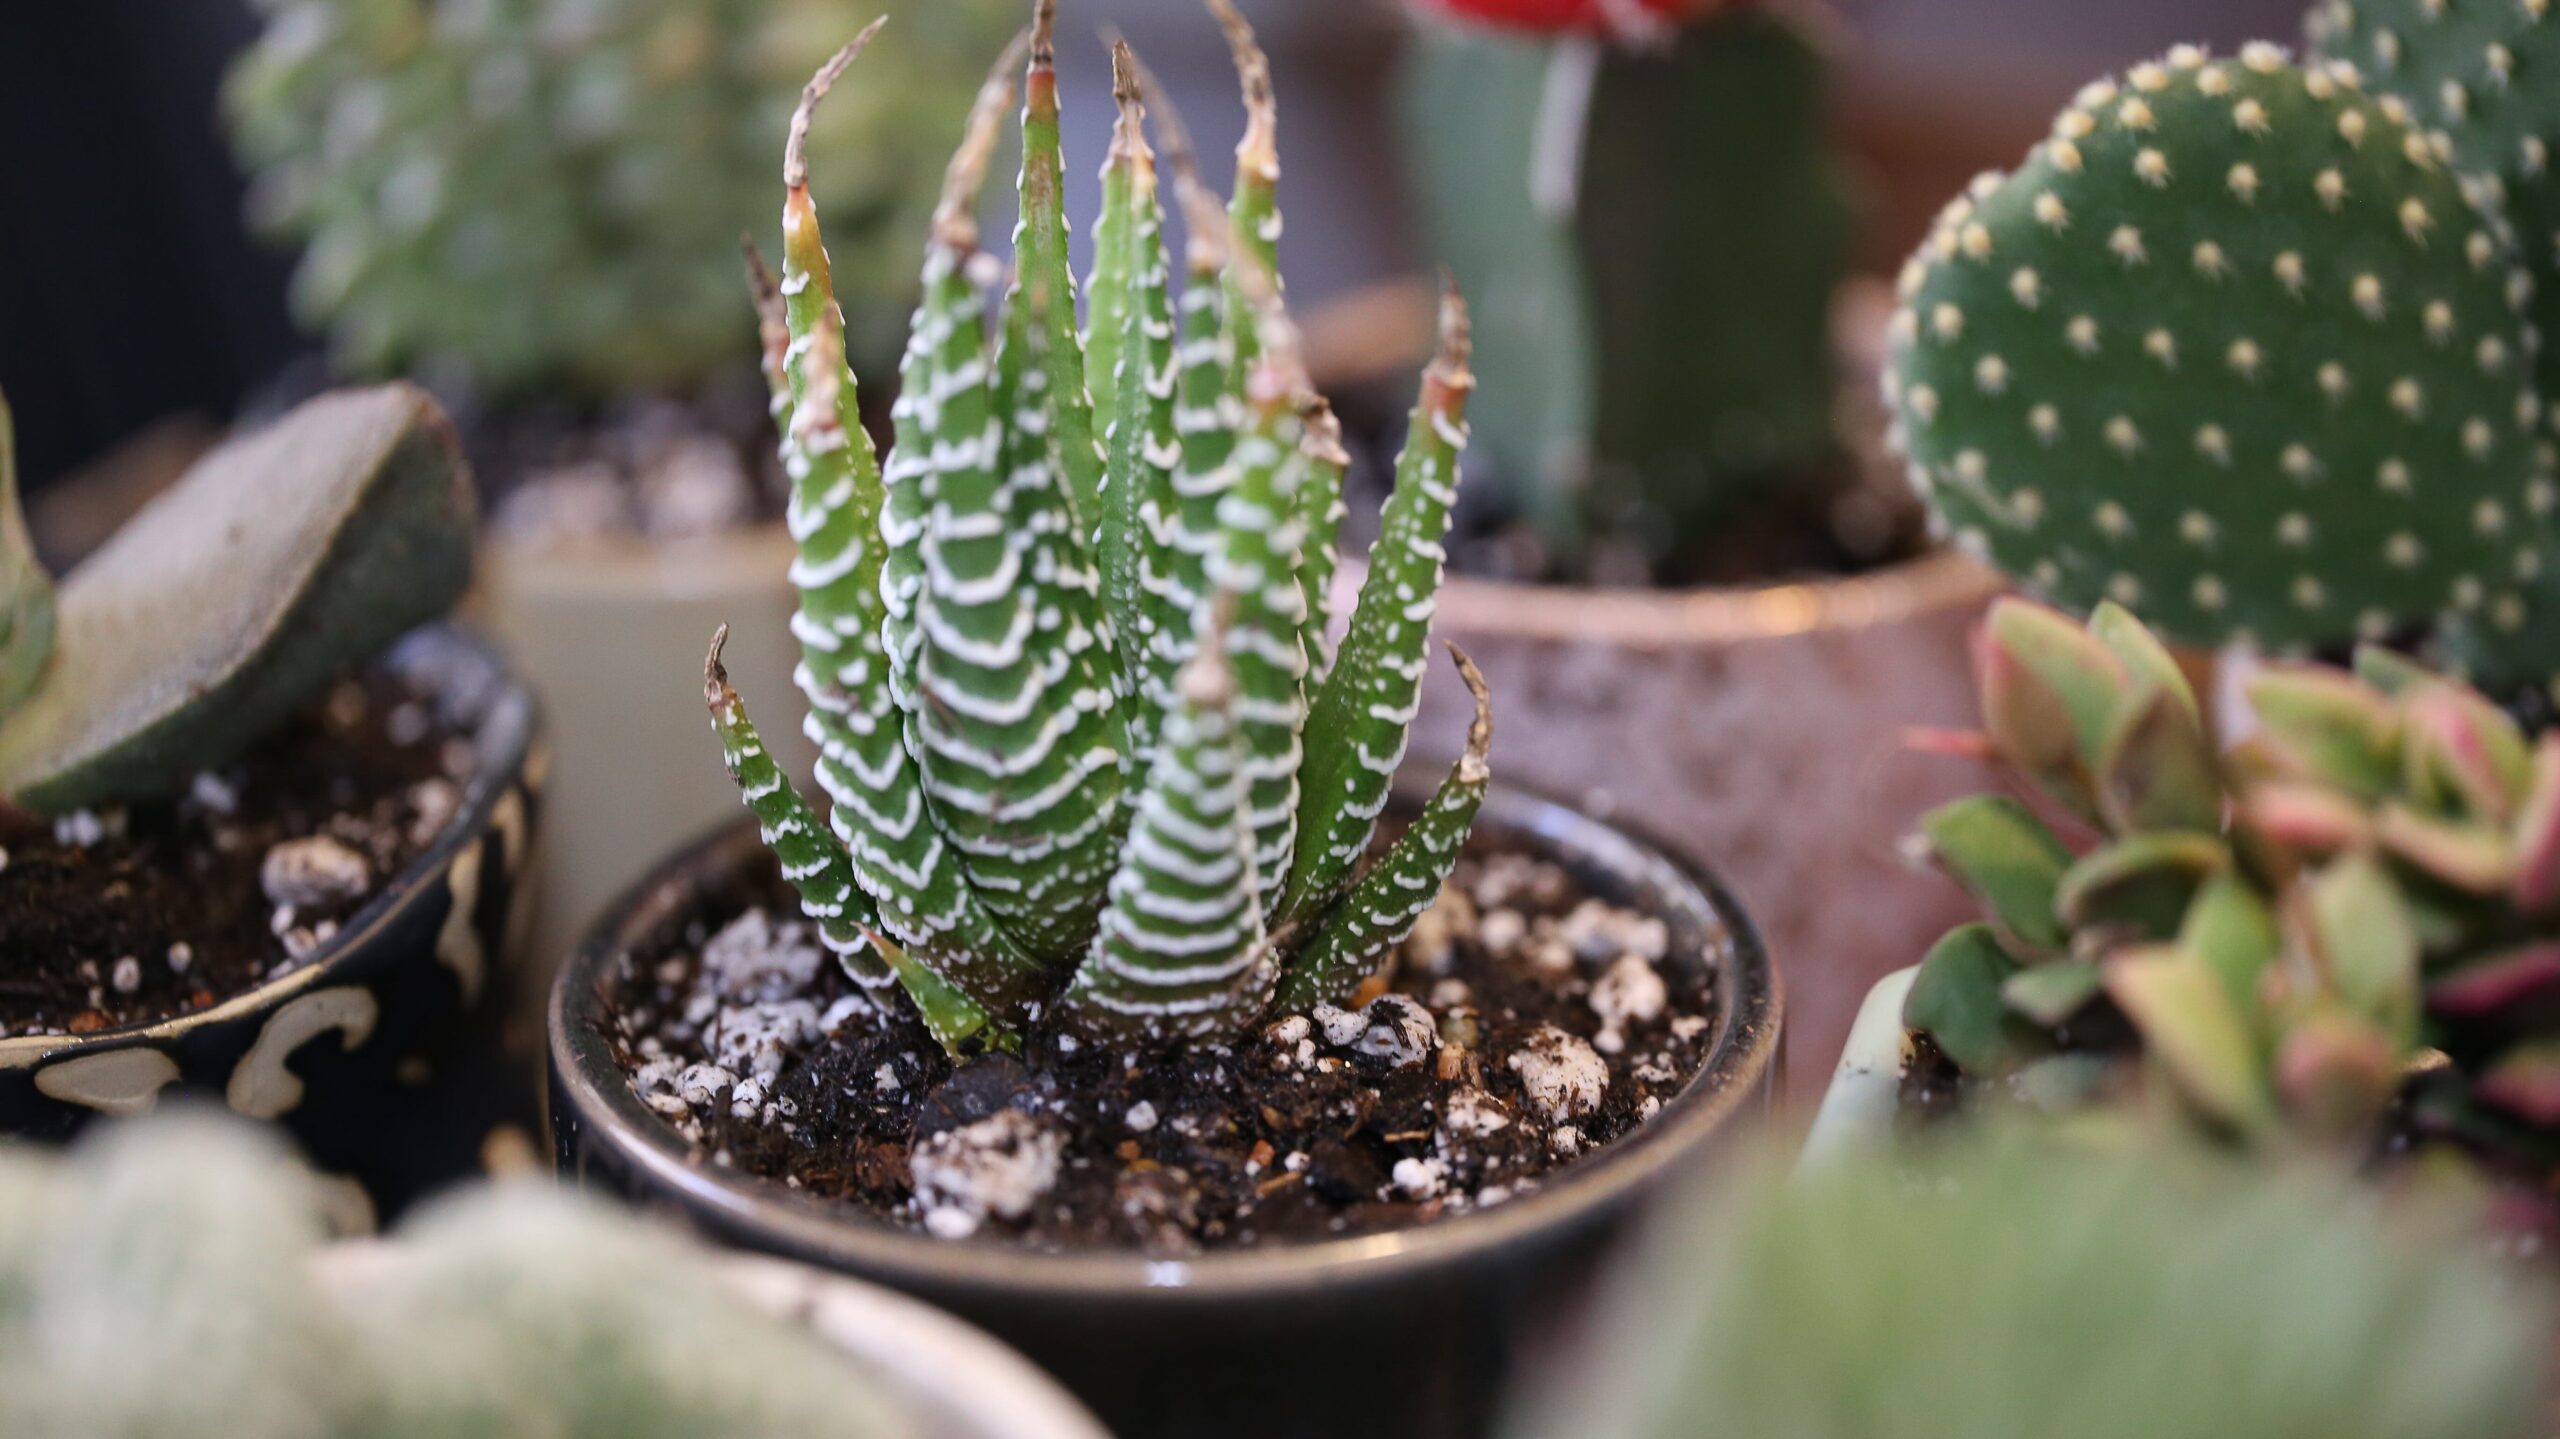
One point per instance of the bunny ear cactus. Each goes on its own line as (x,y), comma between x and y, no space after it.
(2238,346)
(2286,927)
(1062,662)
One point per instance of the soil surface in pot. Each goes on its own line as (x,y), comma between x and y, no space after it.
(1528,1024)
(140,913)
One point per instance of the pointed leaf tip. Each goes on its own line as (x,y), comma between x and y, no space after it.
(795,158)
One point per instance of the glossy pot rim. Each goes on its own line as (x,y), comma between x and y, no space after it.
(507,756)
(1936,579)
(1732,1080)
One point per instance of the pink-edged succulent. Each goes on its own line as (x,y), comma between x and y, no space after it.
(2355,907)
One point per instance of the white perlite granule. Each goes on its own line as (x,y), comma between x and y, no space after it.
(314,872)
(1564,1076)
(1629,992)
(996,1168)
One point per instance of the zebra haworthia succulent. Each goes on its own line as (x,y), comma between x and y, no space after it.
(1064,648)
(2238,346)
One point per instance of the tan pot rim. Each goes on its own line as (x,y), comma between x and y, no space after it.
(1658,619)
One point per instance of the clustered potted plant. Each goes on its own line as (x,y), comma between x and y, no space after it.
(2006,1284)
(535,208)
(1123,1051)
(1712,602)
(2248,346)
(250,848)
(504,1310)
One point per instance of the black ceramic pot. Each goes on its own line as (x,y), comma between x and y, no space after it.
(1412,1334)
(383,1056)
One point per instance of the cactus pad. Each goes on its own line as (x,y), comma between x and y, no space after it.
(2236,347)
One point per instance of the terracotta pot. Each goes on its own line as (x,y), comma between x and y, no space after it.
(383,1056)
(1411,1333)
(611,634)
(1758,730)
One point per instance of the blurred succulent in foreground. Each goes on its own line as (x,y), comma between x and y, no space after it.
(548,193)
(1655,316)
(1066,657)
(2238,346)
(2015,1290)
(2291,929)
(234,599)
(169,1280)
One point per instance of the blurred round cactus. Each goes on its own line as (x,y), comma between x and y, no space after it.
(549,193)
(2012,1289)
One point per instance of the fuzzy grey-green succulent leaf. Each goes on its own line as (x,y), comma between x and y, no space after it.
(278,562)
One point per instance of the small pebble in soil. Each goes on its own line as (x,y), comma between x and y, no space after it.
(1564,1076)
(313,872)
(997,1167)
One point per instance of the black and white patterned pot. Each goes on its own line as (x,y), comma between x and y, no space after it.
(1412,1333)
(383,1056)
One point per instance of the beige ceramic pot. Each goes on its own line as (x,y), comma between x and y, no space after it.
(611,635)
(1757,730)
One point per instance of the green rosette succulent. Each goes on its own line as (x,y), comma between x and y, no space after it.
(1090,756)
(546,194)
(2240,346)
(2356,907)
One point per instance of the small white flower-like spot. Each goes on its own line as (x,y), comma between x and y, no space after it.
(2479,249)
(2408,397)
(2082,334)
(2519,291)
(2162,346)
(2309,593)
(1991,374)
(2052,213)
(2123,436)
(2210,262)
(2245,358)
(2396,110)
(2386,48)
(2414,147)
(2501,62)
(2111,520)
(2299,464)
(2294,529)
(1905,328)
(2026,507)
(2540,496)
(1970,467)
(2489,517)
(2098,94)
(2208,593)
(1977,240)
(2250,117)
(2468,592)
(2319,84)
(2438,318)
(1922,402)
(2479,438)
(2393,476)
(2135,114)
(1914,277)
(2244,182)
(2264,56)
(2065,156)
(2415,221)
(2492,355)
(2290,272)
(2148,77)
(2535,154)
(2334,382)
(2367,293)
(2196,528)
(2214,443)
(2402,551)
(2027,287)
(1947,322)
(2188,57)
(2046,422)
(2151,167)
(2528,564)
(2508,613)
(2331,186)
(2373,626)
(1942,242)
(2351,127)
(2213,84)
(2074,125)
(2454,100)
(2124,589)
(2536,9)
(2126,245)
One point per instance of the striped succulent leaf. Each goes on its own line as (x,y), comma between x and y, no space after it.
(26,591)
(1063,690)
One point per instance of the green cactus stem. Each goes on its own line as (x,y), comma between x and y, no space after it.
(2236,345)
(26,591)
(273,566)
(1358,722)
(821,873)
(1378,912)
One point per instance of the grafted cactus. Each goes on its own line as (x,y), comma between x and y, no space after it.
(1061,650)
(2286,927)
(2237,346)
(2486,76)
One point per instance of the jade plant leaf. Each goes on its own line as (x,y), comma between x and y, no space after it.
(2005,858)
(2232,932)
(2194,1032)
(26,591)
(280,560)
(2144,881)
(2157,770)
(1956,1001)
(2050,994)
(2360,928)
(2322,725)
